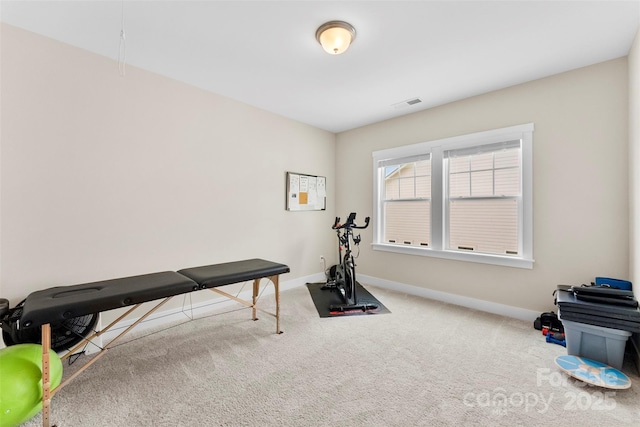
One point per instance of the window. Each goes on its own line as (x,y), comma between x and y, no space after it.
(466,198)
(407,200)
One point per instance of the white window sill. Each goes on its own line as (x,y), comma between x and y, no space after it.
(507,261)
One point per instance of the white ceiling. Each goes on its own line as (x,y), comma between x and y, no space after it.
(264,53)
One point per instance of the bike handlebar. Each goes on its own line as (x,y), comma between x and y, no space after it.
(350,223)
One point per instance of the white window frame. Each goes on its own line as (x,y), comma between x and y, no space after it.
(436,149)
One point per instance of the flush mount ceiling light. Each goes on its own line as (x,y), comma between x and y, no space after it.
(335,36)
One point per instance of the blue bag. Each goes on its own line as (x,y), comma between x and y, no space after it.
(614,283)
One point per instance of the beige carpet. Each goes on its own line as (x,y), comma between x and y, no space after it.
(425,364)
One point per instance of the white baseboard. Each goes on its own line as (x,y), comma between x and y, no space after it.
(190,311)
(477,304)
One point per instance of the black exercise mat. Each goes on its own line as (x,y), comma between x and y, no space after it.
(604,322)
(569,300)
(632,318)
(327,297)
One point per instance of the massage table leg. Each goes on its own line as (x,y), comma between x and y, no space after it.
(254,301)
(276,285)
(46,374)
(256,292)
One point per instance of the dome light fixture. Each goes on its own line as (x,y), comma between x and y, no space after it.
(335,36)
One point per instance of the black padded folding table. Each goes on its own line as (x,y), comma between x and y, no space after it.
(42,308)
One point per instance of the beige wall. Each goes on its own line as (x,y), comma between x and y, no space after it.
(634,172)
(580,184)
(634,160)
(106,176)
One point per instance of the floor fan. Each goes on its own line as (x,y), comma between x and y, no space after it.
(64,335)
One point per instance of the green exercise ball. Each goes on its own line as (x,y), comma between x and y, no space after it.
(21,382)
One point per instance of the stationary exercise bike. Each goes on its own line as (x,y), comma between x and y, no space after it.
(343,279)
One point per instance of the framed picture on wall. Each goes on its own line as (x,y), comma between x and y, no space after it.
(306,192)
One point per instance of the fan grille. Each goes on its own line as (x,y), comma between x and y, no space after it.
(64,335)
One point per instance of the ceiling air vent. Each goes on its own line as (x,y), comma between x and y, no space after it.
(407,103)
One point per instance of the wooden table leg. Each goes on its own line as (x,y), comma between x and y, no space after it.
(256,292)
(46,375)
(276,285)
